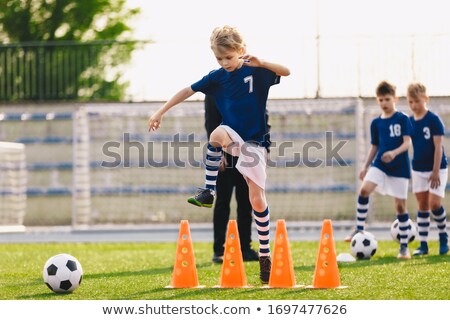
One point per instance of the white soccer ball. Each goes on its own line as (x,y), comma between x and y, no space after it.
(363,245)
(412,231)
(62,273)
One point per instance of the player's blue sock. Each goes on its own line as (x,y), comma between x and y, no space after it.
(423,226)
(213,157)
(262,221)
(440,216)
(403,226)
(362,207)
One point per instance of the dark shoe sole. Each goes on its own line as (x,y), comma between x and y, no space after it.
(217,260)
(199,204)
(418,254)
(263,279)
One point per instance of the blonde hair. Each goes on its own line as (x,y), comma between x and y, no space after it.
(385,88)
(416,89)
(226,38)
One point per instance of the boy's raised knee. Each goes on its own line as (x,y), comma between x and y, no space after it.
(258,204)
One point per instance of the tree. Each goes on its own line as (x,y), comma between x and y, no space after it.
(63,32)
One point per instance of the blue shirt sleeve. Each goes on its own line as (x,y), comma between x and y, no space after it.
(205,85)
(270,77)
(374,133)
(437,126)
(407,126)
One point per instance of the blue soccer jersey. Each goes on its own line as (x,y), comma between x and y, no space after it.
(241,97)
(422,138)
(388,135)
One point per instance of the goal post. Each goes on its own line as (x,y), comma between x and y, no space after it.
(13,186)
(124,174)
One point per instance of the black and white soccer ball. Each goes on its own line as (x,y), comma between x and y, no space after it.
(363,245)
(412,231)
(62,273)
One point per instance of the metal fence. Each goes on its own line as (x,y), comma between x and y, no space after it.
(331,66)
(55,70)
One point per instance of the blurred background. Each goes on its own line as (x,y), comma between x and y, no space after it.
(75,75)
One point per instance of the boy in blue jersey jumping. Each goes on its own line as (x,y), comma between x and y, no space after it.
(387,168)
(240,88)
(429,168)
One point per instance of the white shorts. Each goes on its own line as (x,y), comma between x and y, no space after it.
(420,182)
(252,158)
(396,187)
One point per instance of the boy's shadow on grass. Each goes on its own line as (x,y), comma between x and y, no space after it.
(385,260)
(46,296)
(86,277)
(189,293)
(428,260)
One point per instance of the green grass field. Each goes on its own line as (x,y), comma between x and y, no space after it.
(141,271)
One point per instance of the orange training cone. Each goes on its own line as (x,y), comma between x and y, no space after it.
(233,271)
(326,274)
(282,272)
(184,271)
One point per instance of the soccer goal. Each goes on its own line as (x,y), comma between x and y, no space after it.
(13,186)
(125,175)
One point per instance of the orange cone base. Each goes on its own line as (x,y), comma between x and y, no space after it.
(172,287)
(312,287)
(297,286)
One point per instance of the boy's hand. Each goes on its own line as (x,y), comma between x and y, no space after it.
(388,156)
(434,180)
(251,61)
(154,122)
(363,173)
(223,164)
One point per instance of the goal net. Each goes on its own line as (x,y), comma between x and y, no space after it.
(13,186)
(124,174)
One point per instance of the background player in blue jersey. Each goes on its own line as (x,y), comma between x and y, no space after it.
(387,168)
(240,88)
(429,164)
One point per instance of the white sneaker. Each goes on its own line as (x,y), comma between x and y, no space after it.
(403,253)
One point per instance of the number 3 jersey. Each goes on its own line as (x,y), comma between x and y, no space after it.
(241,97)
(388,135)
(423,131)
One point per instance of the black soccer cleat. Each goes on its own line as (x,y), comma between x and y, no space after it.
(265,264)
(217,258)
(203,198)
(421,250)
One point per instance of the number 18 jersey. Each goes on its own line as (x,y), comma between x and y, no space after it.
(388,135)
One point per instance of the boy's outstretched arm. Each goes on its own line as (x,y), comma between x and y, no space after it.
(154,122)
(370,156)
(275,67)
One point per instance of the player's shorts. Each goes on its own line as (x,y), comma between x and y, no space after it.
(252,158)
(420,182)
(396,187)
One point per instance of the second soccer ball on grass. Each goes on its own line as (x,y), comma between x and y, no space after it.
(363,245)
(412,231)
